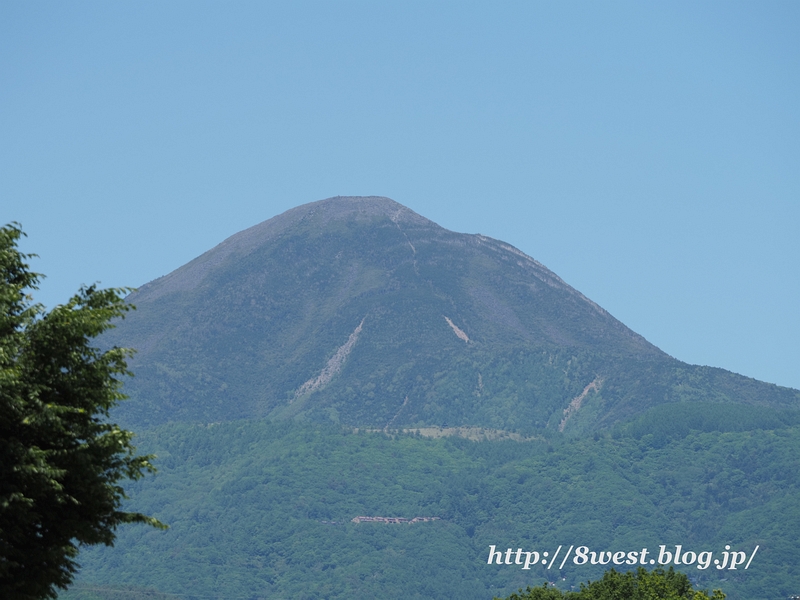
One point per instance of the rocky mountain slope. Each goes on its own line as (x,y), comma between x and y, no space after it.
(360,311)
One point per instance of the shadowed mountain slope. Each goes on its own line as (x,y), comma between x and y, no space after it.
(360,311)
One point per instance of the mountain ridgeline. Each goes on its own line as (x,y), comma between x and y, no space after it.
(356,310)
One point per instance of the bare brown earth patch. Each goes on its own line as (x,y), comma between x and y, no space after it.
(333,366)
(459,333)
(475,434)
(576,402)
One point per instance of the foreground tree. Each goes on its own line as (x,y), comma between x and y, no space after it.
(61,461)
(641,585)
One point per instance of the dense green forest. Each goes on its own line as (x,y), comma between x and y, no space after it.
(260,509)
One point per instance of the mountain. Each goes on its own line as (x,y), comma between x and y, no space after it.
(314,369)
(359,311)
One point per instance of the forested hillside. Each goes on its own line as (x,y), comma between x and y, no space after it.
(264,510)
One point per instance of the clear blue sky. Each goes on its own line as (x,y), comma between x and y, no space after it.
(647,152)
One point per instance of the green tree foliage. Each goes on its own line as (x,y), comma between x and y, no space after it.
(544,592)
(641,585)
(60,459)
(264,509)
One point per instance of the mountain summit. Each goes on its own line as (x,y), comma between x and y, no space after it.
(358,310)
